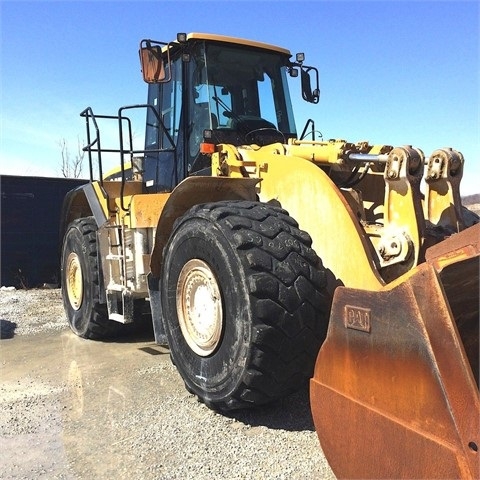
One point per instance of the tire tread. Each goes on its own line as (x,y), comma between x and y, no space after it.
(286,282)
(98,325)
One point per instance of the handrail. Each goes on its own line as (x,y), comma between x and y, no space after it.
(121,118)
(87,114)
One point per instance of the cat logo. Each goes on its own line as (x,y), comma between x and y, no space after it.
(357,318)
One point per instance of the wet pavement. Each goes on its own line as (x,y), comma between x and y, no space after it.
(72,408)
(66,397)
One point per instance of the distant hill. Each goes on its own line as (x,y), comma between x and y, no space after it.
(472,202)
(471,199)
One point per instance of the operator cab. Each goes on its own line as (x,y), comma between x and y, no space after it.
(215,89)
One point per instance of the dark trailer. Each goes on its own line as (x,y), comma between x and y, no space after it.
(30,220)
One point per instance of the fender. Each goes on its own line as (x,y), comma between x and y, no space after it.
(99,200)
(80,202)
(194,191)
(320,208)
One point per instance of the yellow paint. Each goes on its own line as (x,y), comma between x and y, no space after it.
(319,207)
(145,209)
(108,195)
(237,41)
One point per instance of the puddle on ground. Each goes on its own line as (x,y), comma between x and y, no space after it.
(64,399)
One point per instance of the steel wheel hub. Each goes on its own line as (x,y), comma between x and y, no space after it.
(199,307)
(74,281)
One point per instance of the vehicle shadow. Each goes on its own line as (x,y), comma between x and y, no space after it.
(291,413)
(139,331)
(7,329)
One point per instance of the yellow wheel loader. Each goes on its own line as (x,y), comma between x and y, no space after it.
(268,258)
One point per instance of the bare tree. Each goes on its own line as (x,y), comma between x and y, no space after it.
(71,167)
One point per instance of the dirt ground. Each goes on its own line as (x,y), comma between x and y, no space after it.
(74,409)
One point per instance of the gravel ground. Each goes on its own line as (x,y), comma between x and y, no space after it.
(27,312)
(72,408)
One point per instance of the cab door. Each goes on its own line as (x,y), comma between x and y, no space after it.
(163,143)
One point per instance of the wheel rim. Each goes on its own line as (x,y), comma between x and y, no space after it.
(74,282)
(199,307)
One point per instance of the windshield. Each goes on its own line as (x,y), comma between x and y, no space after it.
(242,89)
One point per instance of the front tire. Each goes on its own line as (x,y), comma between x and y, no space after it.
(244,303)
(87,317)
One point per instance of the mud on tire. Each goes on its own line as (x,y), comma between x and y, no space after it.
(244,303)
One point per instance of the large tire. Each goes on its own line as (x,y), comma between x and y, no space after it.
(244,303)
(87,317)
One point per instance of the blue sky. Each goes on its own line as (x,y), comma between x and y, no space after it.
(391,72)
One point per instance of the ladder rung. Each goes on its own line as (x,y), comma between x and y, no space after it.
(117,317)
(115,287)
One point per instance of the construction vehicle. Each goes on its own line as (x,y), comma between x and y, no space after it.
(268,258)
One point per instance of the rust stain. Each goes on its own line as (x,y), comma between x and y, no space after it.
(402,401)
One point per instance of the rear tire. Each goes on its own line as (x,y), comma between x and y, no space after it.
(244,303)
(87,317)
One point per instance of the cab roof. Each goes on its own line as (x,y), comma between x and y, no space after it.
(237,41)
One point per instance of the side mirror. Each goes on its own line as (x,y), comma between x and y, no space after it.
(151,61)
(309,95)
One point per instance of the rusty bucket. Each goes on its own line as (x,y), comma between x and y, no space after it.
(395,391)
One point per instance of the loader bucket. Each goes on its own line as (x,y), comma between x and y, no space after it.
(395,388)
